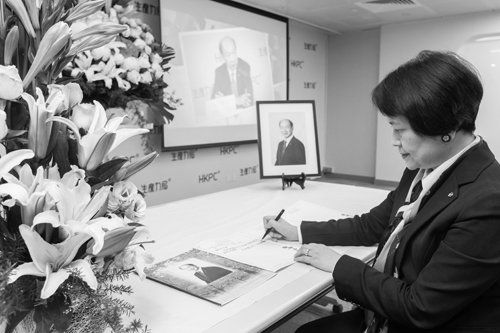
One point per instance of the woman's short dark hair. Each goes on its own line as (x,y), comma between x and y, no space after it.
(438,92)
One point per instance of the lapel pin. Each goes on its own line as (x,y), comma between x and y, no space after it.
(450,194)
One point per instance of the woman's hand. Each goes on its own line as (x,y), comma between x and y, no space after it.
(281,229)
(318,255)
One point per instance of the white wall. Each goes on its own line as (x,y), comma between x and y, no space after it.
(183,174)
(308,66)
(400,42)
(351,126)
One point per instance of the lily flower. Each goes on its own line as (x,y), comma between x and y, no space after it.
(105,29)
(11,86)
(11,44)
(102,134)
(41,110)
(72,93)
(34,189)
(54,261)
(54,40)
(3,125)
(84,9)
(18,7)
(75,209)
(12,159)
(7,162)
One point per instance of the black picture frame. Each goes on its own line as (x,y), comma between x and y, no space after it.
(301,154)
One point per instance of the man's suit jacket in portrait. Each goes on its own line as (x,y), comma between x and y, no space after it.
(448,259)
(211,273)
(222,83)
(293,154)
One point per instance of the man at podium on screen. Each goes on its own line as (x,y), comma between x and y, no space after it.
(233,76)
(291,150)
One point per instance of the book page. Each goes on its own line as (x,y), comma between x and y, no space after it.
(247,247)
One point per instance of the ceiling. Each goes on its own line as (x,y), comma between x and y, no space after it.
(338,16)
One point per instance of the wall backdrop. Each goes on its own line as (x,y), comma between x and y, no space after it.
(463,34)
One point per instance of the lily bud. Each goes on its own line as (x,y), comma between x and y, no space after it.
(84,9)
(138,165)
(18,7)
(41,110)
(115,241)
(54,40)
(100,151)
(11,44)
(89,43)
(107,29)
(33,11)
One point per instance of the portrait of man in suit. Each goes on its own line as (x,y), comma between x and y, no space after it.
(208,274)
(291,150)
(233,76)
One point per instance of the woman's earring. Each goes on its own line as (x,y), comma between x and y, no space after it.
(446,138)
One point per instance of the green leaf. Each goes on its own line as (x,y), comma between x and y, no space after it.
(53,315)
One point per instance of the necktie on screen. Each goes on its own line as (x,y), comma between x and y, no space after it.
(233,82)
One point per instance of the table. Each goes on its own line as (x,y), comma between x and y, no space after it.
(178,226)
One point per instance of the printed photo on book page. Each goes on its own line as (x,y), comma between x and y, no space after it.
(208,276)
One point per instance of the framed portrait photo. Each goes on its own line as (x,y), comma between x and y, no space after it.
(288,138)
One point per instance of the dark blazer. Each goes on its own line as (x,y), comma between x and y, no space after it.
(448,259)
(222,82)
(211,273)
(294,153)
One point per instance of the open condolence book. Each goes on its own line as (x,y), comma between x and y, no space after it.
(209,276)
(220,270)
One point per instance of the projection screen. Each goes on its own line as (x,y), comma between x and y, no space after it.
(228,56)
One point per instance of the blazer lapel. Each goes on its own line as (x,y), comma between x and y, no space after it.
(446,190)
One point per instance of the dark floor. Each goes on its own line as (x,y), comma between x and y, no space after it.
(316,311)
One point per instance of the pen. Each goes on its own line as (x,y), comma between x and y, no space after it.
(277,218)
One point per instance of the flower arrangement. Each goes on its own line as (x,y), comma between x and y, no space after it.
(70,221)
(132,67)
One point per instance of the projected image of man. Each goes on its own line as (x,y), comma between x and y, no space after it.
(291,150)
(233,77)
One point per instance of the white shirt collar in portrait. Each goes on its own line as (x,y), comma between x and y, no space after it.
(287,140)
